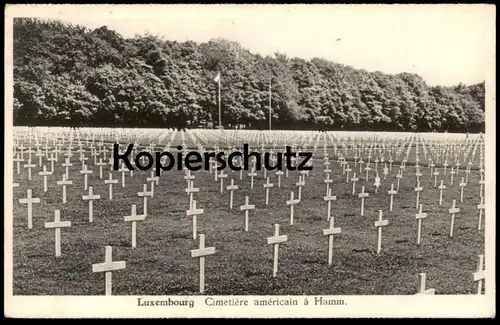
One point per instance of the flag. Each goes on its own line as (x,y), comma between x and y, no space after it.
(217,78)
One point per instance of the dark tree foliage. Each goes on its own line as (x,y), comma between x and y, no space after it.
(71,76)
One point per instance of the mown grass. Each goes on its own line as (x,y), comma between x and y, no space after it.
(161,263)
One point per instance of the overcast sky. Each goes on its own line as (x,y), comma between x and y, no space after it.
(444,44)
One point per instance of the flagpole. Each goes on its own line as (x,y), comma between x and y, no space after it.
(269,103)
(220,117)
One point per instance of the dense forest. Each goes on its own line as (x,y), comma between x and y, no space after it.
(70,75)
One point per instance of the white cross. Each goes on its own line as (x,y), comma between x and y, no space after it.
(252,174)
(418,189)
(58,224)
(193,211)
(123,170)
(222,176)
(108,266)
(189,177)
(392,192)
(418,174)
(110,181)
(330,232)
(279,173)
(300,183)
(153,179)
(100,164)
(436,174)
(354,179)
(479,275)
(379,224)
(452,173)
(348,170)
(190,190)
(441,188)
(422,290)
(18,161)
(200,253)
(481,184)
(85,172)
(267,186)
(44,173)
(91,197)
(52,160)
(328,181)
(419,217)
(144,194)
(276,240)
(231,188)
(367,169)
(292,202)
(480,207)
(134,217)
(246,207)
(453,211)
(329,198)
(29,165)
(362,196)
(66,165)
(29,200)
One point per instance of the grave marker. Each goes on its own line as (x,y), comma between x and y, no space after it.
(231,188)
(330,232)
(480,207)
(441,188)
(418,189)
(91,197)
(419,217)
(379,224)
(200,253)
(462,185)
(85,173)
(108,266)
(134,217)
(329,198)
(29,200)
(391,193)
(267,186)
(111,181)
(479,276)
(29,165)
(300,183)
(275,241)
(246,207)
(362,196)
(354,179)
(193,211)
(57,224)
(44,173)
(292,202)
(222,176)
(144,194)
(422,290)
(453,211)
(100,164)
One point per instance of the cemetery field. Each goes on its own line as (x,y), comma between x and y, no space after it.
(161,262)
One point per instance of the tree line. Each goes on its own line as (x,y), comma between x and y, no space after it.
(69,75)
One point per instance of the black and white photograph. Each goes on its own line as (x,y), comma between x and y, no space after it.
(249,160)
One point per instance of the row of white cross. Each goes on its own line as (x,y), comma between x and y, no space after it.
(193,211)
